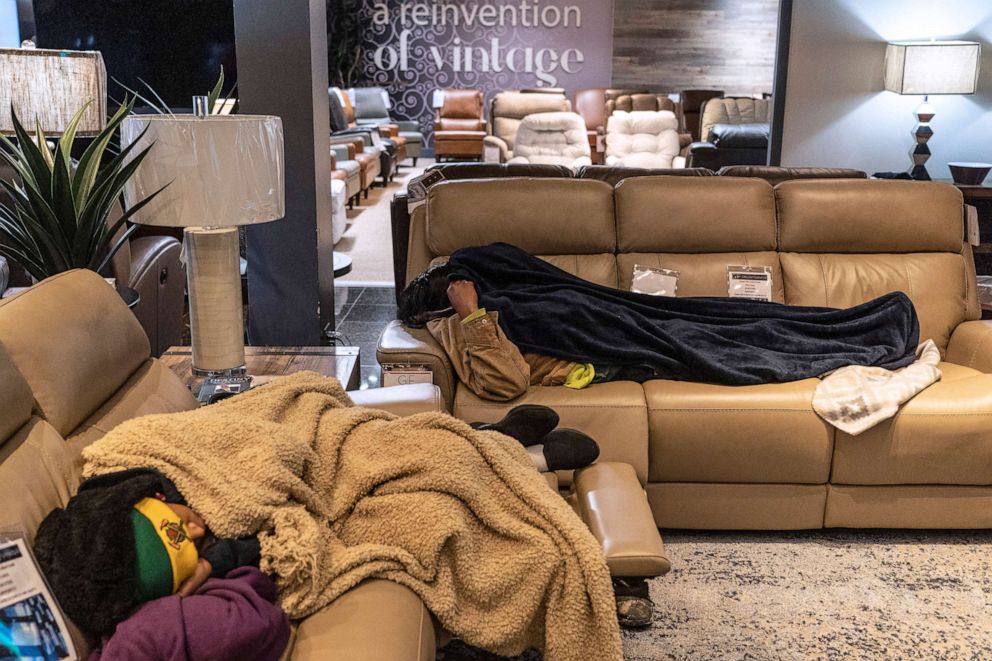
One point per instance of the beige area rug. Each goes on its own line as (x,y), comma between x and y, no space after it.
(368,237)
(863,594)
(822,595)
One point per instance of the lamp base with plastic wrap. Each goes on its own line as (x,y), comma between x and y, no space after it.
(215,314)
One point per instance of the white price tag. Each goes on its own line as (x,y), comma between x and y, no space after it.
(654,281)
(751,282)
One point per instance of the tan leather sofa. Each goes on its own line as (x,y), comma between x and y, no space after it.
(74,363)
(753,457)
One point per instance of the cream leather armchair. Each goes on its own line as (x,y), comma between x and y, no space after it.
(552,138)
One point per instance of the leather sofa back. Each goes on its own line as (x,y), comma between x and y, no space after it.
(776,175)
(509,108)
(832,243)
(75,344)
(16,397)
(591,104)
(691,103)
(370,104)
(731,110)
(462,111)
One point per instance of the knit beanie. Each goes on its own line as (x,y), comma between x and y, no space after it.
(89,551)
(165,556)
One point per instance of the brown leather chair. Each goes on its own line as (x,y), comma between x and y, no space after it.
(460,126)
(591,104)
(692,102)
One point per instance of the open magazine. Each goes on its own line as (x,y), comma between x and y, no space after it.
(31,624)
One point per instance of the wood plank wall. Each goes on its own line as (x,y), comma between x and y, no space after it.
(670,45)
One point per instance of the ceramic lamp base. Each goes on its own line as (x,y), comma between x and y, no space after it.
(215,315)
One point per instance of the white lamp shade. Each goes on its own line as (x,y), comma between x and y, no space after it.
(49,87)
(932,67)
(219,171)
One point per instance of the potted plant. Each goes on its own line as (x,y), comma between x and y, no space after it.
(56,218)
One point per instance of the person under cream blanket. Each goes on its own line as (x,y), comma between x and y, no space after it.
(338,494)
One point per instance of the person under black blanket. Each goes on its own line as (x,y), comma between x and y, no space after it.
(129,537)
(508,320)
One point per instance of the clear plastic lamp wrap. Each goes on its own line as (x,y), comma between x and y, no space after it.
(219,172)
(49,87)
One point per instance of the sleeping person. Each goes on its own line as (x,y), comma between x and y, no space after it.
(508,320)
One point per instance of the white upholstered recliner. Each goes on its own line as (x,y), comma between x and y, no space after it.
(553,138)
(643,139)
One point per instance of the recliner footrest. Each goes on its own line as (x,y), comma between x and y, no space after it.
(612,502)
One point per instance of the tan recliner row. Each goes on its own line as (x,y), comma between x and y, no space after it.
(754,457)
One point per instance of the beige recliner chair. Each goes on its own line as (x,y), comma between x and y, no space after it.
(506,112)
(643,139)
(553,138)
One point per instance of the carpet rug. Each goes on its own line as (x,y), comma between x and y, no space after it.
(833,594)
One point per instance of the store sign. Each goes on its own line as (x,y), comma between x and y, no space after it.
(414,47)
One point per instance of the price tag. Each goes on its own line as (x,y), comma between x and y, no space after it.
(654,281)
(751,282)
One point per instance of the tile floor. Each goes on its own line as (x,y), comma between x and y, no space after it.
(361,314)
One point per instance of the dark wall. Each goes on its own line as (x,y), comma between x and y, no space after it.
(670,45)
(177,46)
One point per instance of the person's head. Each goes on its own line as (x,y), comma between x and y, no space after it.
(425,298)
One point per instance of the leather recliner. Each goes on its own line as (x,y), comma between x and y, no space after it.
(643,139)
(367,147)
(371,106)
(733,131)
(344,167)
(460,125)
(552,138)
(506,111)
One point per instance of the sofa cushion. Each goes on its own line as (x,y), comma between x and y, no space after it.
(517,211)
(34,477)
(747,434)
(378,619)
(695,215)
(551,137)
(941,436)
(74,367)
(739,136)
(612,413)
(935,282)
(702,274)
(153,388)
(16,397)
(869,216)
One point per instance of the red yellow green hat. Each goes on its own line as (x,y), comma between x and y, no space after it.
(164,553)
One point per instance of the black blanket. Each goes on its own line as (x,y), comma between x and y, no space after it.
(545,310)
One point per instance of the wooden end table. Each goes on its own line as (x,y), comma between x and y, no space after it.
(267,363)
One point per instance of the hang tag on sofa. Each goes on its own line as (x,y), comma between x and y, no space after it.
(751,282)
(654,281)
(416,190)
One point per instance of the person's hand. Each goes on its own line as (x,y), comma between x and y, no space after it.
(198,578)
(463,297)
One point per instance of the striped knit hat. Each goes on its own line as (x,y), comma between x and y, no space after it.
(165,556)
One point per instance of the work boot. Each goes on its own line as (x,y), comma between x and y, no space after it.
(634,607)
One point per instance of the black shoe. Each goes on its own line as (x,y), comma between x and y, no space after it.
(568,449)
(634,607)
(528,423)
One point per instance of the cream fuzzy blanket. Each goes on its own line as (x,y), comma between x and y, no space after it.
(338,494)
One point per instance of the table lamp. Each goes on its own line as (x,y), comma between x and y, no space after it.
(219,172)
(48,87)
(930,67)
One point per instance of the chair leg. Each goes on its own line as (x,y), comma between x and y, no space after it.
(414,161)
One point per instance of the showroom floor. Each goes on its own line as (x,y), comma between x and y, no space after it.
(361,314)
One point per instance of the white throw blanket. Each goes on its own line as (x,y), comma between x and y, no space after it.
(857,398)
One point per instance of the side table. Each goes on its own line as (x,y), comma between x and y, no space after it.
(266,363)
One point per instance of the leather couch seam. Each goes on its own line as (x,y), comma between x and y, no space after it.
(978,346)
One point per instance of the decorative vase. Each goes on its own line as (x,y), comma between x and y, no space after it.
(969,174)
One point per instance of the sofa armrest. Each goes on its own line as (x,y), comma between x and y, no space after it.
(702,155)
(378,620)
(612,502)
(401,400)
(408,126)
(399,345)
(971,346)
(685,139)
(495,150)
(389,130)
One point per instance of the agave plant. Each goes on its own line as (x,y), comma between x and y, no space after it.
(56,219)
